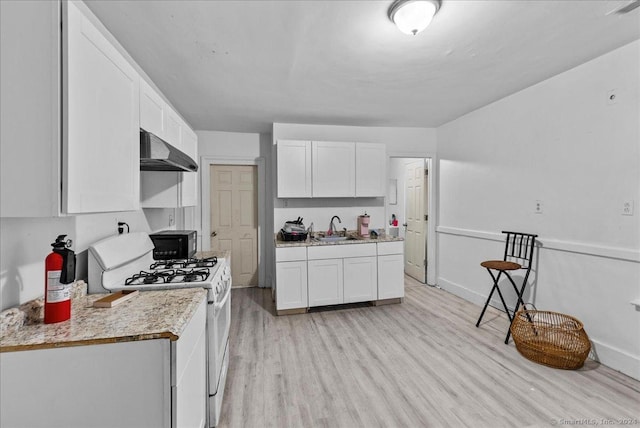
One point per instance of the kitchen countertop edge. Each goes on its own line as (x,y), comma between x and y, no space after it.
(311,243)
(93,326)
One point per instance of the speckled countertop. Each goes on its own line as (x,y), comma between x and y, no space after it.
(148,315)
(313,243)
(226,254)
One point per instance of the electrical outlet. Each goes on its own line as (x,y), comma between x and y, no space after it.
(538,207)
(627,208)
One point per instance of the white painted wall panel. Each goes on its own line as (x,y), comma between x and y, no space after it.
(563,143)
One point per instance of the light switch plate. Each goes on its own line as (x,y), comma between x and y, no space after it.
(627,208)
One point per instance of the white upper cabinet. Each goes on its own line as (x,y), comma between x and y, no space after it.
(30,77)
(101,118)
(371,168)
(173,128)
(70,82)
(294,169)
(333,169)
(152,110)
(327,169)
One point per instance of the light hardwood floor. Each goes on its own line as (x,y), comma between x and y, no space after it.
(422,363)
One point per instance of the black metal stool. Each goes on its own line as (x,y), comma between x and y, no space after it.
(518,254)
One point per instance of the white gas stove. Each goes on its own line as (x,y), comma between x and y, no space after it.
(125,262)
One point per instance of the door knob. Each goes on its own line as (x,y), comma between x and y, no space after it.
(214,234)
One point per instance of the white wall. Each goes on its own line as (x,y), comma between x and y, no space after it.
(561,142)
(26,242)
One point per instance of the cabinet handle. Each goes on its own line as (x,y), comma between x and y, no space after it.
(214,234)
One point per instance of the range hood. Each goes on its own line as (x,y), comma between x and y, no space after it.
(158,155)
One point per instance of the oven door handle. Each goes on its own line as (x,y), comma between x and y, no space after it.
(219,305)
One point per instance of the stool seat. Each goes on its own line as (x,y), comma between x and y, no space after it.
(500,265)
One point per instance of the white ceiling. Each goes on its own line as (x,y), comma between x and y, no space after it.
(242,65)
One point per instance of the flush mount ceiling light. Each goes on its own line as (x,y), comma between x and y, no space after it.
(413,16)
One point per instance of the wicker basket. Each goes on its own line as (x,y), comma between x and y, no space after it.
(550,338)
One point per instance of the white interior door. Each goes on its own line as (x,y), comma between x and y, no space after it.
(415,264)
(234,219)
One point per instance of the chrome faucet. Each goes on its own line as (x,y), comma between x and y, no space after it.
(332,228)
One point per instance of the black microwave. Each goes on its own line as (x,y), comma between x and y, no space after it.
(174,244)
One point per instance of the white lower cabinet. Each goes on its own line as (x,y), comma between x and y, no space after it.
(326,282)
(291,292)
(291,278)
(360,279)
(390,270)
(342,274)
(146,383)
(334,274)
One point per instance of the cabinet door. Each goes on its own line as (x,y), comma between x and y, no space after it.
(333,169)
(326,282)
(191,373)
(360,279)
(152,108)
(294,169)
(131,381)
(371,167)
(30,107)
(390,276)
(291,285)
(101,119)
(189,185)
(173,128)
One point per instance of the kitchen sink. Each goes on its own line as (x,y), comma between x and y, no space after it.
(332,238)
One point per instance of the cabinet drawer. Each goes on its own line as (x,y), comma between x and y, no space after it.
(395,247)
(291,254)
(341,251)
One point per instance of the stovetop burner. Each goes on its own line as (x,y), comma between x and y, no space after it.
(172,276)
(193,275)
(185,263)
(157,277)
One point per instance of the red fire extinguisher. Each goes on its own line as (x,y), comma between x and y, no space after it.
(59,273)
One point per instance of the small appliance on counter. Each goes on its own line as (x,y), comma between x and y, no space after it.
(294,231)
(393,226)
(174,244)
(363,225)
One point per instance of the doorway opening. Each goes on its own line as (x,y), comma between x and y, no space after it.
(411,200)
(233,215)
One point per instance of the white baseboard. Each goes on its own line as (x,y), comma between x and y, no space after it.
(616,359)
(470,295)
(603,353)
